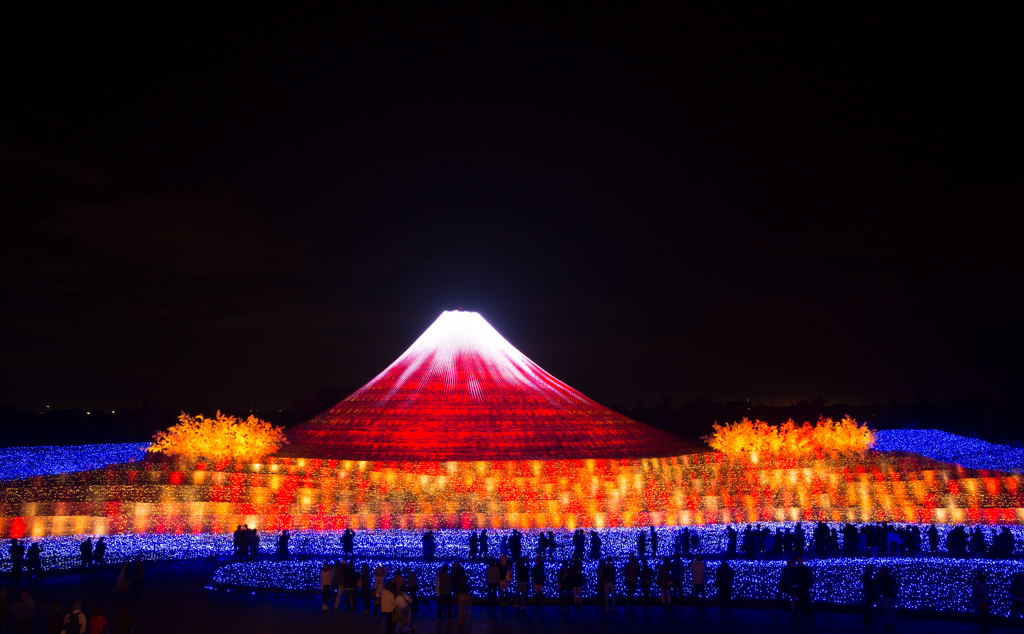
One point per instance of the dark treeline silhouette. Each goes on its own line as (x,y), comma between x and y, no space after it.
(52,426)
(974,417)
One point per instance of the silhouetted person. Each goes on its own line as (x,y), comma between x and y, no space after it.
(473,544)
(789,586)
(723,584)
(254,545)
(483,544)
(869,586)
(595,545)
(608,579)
(664,581)
(348,539)
(697,569)
(86,549)
(504,580)
(730,552)
(631,575)
(283,553)
(443,587)
(564,587)
(35,566)
(552,544)
(799,541)
(654,542)
(237,540)
(522,582)
(492,577)
(17,552)
(428,546)
(99,555)
(646,582)
(463,597)
(537,579)
(542,543)
(641,544)
(806,580)
(887,588)
(576,579)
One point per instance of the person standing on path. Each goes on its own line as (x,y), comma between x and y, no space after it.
(75,621)
(443,588)
(576,576)
(86,549)
(664,581)
(99,555)
(97,622)
(537,578)
(460,586)
(697,579)
(888,589)
(608,578)
(492,577)
(631,573)
(326,580)
(723,583)
(388,594)
(564,587)
(380,573)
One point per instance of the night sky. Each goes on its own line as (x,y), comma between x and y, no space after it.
(231,210)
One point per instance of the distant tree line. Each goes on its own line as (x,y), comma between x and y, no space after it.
(974,417)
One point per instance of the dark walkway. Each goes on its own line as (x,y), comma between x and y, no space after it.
(176,601)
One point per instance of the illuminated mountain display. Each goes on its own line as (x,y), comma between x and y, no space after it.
(462,392)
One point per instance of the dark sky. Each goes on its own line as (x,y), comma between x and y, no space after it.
(234,209)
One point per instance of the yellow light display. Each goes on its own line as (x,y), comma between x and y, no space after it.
(219,438)
(758,437)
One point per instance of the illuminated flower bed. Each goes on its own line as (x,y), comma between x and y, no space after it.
(933,585)
(25,462)
(944,447)
(61,553)
(709,488)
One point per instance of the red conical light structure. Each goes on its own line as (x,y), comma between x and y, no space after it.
(462,392)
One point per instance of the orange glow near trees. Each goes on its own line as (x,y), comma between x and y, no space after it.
(746,437)
(219,438)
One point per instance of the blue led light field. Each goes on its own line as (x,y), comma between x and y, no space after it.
(944,447)
(25,462)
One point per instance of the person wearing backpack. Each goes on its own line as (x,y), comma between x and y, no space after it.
(74,622)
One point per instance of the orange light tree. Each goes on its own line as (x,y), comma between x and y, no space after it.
(219,438)
(746,437)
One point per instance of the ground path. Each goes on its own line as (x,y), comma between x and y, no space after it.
(175,600)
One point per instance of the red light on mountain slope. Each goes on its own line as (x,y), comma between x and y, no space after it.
(462,392)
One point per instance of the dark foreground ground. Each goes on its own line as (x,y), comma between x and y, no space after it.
(175,600)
